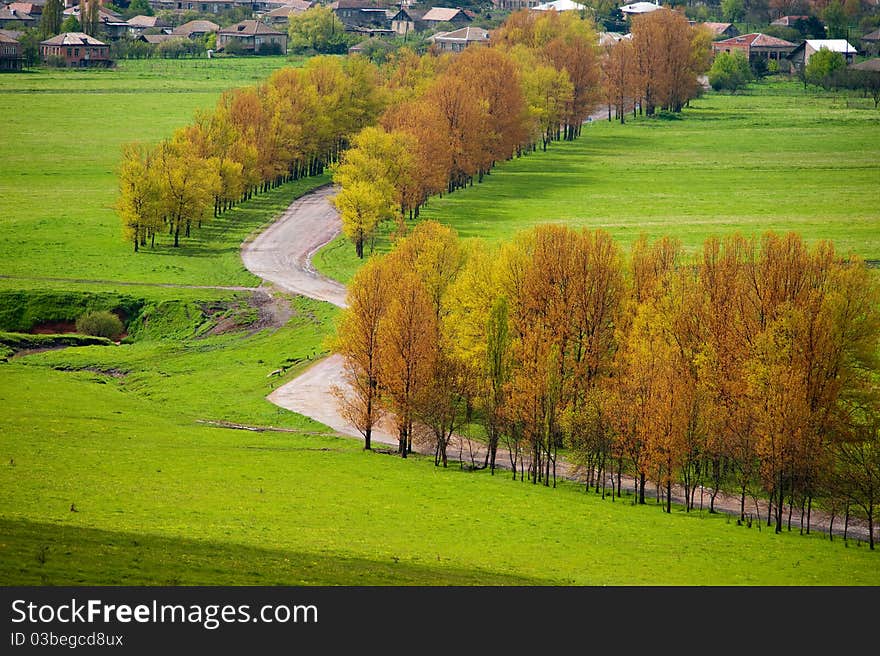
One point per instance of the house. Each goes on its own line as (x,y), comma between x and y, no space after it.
(15,19)
(871,42)
(254,36)
(139,24)
(279,16)
(720,30)
(11,58)
(265,6)
(361,14)
(407,21)
(788,21)
(156,39)
(195,29)
(111,23)
(515,5)
(77,49)
(32,8)
(608,39)
(559,5)
(800,55)
(368,45)
(458,40)
(436,15)
(638,8)
(758,46)
(209,6)
(867,65)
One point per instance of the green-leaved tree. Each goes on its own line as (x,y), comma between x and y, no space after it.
(822,66)
(730,71)
(317,29)
(50,20)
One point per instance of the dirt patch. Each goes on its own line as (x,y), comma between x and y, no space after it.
(273,308)
(53,328)
(263,308)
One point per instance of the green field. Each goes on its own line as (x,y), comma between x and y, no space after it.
(774,157)
(117,465)
(63,134)
(161,500)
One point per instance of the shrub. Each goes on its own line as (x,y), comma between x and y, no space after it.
(177,48)
(56,61)
(822,66)
(270,49)
(730,71)
(233,47)
(100,324)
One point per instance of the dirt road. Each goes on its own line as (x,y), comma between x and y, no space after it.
(311,394)
(282,254)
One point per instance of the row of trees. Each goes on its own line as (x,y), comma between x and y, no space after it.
(750,368)
(449,119)
(659,67)
(257,137)
(435,123)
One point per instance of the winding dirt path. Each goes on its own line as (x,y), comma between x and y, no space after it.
(282,255)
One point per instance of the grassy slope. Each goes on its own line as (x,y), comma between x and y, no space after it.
(773,158)
(167,494)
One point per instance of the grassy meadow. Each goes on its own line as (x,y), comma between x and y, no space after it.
(160,499)
(774,157)
(64,130)
(117,462)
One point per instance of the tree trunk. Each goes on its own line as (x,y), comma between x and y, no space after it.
(641,488)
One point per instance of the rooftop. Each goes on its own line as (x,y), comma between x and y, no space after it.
(639,8)
(560,5)
(73,39)
(756,39)
(441,14)
(196,26)
(868,65)
(146,21)
(834,45)
(465,34)
(250,27)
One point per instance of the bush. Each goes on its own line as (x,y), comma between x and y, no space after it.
(177,48)
(822,66)
(100,324)
(730,71)
(56,61)
(270,49)
(233,47)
